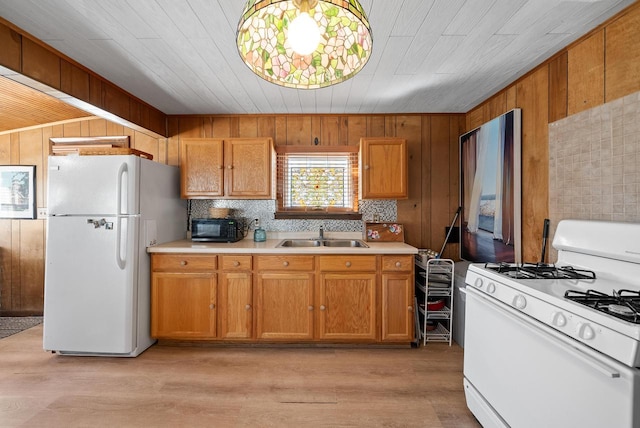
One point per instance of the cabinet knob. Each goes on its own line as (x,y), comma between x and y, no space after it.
(348,264)
(247,307)
(398,264)
(310,307)
(236,263)
(212,306)
(285,264)
(366,167)
(183,263)
(230,167)
(220,167)
(410,308)
(323,307)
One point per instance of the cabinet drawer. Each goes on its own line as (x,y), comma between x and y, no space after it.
(235,262)
(284,262)
(397,263)
(183,263)
(347,262)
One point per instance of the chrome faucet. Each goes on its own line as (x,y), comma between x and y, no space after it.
(321,235)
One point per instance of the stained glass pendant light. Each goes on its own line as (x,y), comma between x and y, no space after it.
(304,44)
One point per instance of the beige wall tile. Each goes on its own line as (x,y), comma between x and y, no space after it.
(594,165)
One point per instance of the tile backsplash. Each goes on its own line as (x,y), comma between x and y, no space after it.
(594,163)
(594,156)
(263,210)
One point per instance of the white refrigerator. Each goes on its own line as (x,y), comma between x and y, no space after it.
(103,212)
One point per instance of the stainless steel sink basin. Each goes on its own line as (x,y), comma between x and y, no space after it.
(297,243)
(300,243)
(344,243)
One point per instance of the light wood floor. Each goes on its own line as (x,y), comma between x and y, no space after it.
(232,387)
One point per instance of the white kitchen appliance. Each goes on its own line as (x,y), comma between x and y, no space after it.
(558,345)
(103,213)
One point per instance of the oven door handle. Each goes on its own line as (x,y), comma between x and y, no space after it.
(552,336)
(602,368)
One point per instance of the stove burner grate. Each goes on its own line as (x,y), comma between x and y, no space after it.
(623,304)
(620,310)
(540,271)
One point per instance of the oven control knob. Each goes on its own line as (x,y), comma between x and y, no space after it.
(491,288)
(558,319)
(585,331)
(520,302)
(478,283)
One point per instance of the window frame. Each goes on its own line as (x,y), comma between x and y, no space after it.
(283,212)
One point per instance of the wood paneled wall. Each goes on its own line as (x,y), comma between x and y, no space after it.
(22,242)
(600,67)
(432,141)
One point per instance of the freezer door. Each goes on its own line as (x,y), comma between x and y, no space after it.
(90,294)
(80,185)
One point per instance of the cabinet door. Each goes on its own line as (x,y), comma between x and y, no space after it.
(383,168)
(284,306)
(347,306)
(249,167)
(201,167)
(183,305)
(235,310)
(397,307)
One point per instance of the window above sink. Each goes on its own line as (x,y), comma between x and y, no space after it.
(317,182)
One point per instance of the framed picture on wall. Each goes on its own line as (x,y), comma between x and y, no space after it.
(18,191)
(490,191)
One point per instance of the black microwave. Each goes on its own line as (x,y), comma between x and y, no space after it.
(216,230)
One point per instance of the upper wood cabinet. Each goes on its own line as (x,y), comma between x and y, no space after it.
(201,167)
(226,168)
(383,168)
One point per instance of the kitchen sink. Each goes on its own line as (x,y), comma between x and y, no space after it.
(344,243)
(297,243)
(300,243)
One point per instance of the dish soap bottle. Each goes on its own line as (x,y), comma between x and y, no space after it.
(259,234)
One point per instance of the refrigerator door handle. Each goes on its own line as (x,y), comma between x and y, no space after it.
(121,230)
(122,171)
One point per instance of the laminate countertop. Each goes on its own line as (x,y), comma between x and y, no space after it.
(248,246)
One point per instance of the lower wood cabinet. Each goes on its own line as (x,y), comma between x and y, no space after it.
(183,297)
(347,298)
(285,306)
(283,298)
(397,320)
(235,297)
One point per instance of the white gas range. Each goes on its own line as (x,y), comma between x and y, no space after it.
(558,345)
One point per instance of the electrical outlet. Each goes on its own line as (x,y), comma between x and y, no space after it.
(42,212)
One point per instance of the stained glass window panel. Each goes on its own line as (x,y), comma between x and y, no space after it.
(321,181)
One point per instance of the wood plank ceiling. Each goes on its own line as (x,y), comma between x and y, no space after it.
(22,107)
(429,55)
